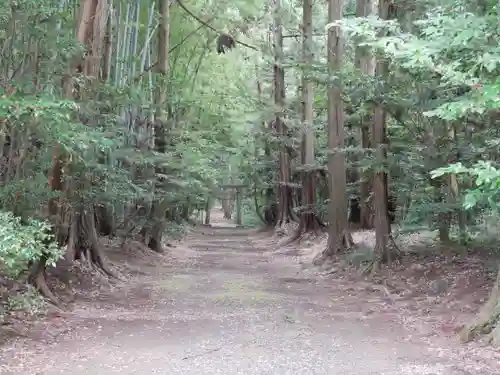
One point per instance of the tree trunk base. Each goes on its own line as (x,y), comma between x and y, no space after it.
(37,279)
(487,321)
(345,242)
(383,257)
(271,215)
(156,239)
(309,223)
(372,268)
(487,324)
(494,338)
(152,231)
(83,244)
(270,218)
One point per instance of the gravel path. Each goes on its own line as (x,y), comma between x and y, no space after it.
(226,308)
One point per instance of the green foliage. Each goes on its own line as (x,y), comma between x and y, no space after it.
(249,216)
(455,47)
(21,244)
(444,68)
(101,134)
(441,94)
(486,177)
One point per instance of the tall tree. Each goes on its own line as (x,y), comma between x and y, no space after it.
(270,213)
(160,124)
(339,237)
(83,242)
(77,223)
(308,218)
(285,197)
(384,245)
(366,64)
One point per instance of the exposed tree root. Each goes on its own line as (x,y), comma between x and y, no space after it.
(296,238)
(343,243)
(88,241)
(494,338)
(346,240)
(372,268)
(152,231)
(37,279)
(155,241)
(82,244)
(309,223)
(37,272)
(487,321)
(266,229)
(391,253)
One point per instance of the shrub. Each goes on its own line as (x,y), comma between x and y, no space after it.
(22,243)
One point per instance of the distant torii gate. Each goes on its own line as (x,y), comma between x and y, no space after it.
(238,189)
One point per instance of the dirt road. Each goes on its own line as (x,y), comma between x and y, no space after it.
(226,308)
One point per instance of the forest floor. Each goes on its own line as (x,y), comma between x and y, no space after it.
(224,301)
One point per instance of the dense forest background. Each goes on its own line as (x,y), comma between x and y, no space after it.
(125,119)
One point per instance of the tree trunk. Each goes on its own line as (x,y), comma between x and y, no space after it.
(339,237)
(285,193)
(158,210)
(82,234)
(228,207)
(104,220)
(83,241)
(309,221)
(239,208)
(488,319)
(268,216)
(208,209)
(227,200)
(444,218)
(432,161)
(384,245)
(365,63)
(454,191)
(83,238)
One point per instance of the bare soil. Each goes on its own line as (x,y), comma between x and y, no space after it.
(227,302)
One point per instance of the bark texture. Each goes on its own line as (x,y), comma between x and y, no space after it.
(366,64)
(82,239)
(339,237)
(285,192)
(309,221)
(385,248)
(157,225)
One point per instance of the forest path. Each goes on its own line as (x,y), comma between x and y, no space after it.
(227,307)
